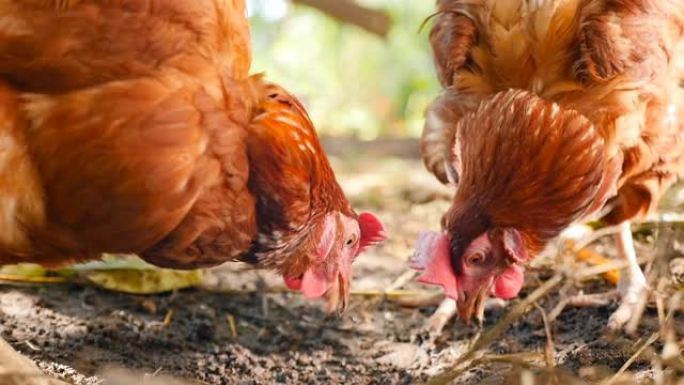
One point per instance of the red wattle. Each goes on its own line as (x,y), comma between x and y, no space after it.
(314,284)
(509,283)
(293,283)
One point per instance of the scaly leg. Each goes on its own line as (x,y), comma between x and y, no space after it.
(445,312)
(632,285)
(448,309)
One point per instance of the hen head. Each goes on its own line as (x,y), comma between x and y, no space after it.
(525,168)
(307,229)
(337,243)
(489,264)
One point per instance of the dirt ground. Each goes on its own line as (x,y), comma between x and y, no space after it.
(86,335)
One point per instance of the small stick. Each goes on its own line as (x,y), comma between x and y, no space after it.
(562,303)
(660,301)
(598,299)
(147,376)
(31,346)
(390,294)
(558,309)
(402,280)
(527,360)
(630,361)
(168,318)
(517,312)
(582,300)
(232,324)
(264,306)
(549,348)
(418,300)
(466,361)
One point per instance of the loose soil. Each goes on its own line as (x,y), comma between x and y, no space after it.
(85,335)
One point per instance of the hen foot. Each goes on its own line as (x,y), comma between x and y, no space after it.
(632,285)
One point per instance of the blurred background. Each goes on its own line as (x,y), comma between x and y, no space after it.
(363,69)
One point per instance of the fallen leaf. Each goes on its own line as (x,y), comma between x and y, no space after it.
(143,281)
(34,273)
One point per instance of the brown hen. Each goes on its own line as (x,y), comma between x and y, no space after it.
(133,126)
(553,111)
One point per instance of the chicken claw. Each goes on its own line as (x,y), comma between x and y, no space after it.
(632,285)
(438,320)
(448,309)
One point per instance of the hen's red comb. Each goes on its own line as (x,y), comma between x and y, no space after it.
(509,283)
(372,230)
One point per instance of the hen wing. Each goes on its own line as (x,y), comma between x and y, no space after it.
(123,164)
(453,34)
(21,193)
(640,41)
(56,45)
(634,38)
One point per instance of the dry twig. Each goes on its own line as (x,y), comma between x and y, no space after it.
(232,324)
(527,360)
(402,280)
(582,300)
(168,318)
(549,348)
(474,353)
(630,361)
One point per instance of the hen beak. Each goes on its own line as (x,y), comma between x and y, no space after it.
(472,304)
(338,295)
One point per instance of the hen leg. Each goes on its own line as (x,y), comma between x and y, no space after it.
(632,285)
(445,312)
(448,309)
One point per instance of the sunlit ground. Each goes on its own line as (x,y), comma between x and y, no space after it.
(242,327)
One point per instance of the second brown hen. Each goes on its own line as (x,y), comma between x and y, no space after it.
(553,111)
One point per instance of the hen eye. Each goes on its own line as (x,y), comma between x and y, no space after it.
(477,259)
(351,240)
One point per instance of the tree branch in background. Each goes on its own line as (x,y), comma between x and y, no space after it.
(347,11)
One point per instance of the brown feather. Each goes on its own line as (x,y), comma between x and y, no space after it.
(612,66)
(55,46)
(501,184)
(292,180)
(132,126)
(451,37)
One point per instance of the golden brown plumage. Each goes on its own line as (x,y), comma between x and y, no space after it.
(134,126)
(553,110)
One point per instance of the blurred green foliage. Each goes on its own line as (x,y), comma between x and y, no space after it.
(353,83)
